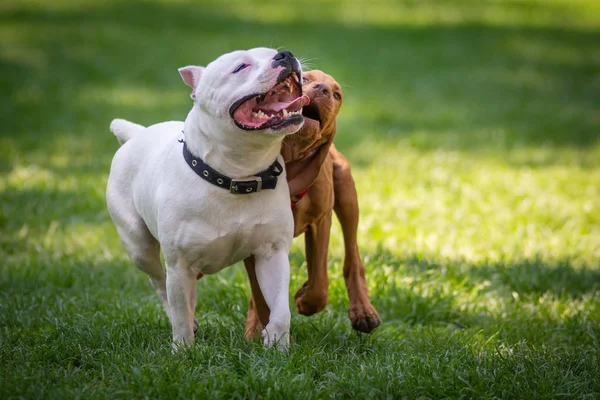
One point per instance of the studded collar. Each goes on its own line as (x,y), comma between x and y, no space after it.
(266,179)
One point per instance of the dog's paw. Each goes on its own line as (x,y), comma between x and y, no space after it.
(308,302)
(280,342)
(364,318)
(196,324)
(253,329)
(179,346)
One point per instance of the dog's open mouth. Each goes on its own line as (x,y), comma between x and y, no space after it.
(311,111)
(279,107)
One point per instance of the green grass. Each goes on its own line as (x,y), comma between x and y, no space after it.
(473,129)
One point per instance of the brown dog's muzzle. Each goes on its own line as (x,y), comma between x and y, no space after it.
(325,101)
(321,89)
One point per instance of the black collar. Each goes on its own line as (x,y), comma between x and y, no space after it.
(266,179)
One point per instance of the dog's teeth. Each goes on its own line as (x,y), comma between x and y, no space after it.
(295,76)
(262,114)
(285,113)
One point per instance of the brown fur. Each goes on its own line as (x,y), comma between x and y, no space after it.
(313,161)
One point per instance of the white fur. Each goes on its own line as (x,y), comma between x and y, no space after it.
(157,202)
(124,130)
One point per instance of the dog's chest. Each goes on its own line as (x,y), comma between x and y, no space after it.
(217,232)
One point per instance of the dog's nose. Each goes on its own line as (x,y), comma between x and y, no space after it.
(286,60)
(283,55)
(321,89)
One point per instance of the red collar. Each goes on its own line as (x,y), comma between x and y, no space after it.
(299,197)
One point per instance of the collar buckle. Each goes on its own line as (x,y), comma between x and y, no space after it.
(239,186)
(258,184)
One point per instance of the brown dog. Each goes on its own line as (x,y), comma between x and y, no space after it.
(319,175)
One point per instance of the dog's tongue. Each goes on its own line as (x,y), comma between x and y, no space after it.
(299,102)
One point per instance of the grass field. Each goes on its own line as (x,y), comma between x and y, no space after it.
(473,129)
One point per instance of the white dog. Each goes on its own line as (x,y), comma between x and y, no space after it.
(211,191)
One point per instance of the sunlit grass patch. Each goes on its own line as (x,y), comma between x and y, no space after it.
(479,207)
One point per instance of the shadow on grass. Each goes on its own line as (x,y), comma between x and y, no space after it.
(529,295)
(526,276)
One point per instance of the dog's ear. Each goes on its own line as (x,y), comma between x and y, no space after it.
(191,76)
(301,174)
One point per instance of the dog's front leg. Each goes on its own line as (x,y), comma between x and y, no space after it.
(181,292)
(362,314)
(273,275)
(312,297)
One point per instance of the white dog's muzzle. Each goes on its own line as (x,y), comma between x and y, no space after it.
(279,107)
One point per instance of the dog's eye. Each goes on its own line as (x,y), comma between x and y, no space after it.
(304,79)
(239,68)
(337,96)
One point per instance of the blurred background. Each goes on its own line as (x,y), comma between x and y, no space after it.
(445,103)
(472,128)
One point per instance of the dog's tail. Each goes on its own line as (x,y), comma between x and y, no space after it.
(124,130)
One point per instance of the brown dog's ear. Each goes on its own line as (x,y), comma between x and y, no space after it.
(302,173)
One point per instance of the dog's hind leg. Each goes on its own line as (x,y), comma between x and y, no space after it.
(144,251)
(362,314)
(314,294)
(258,312)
